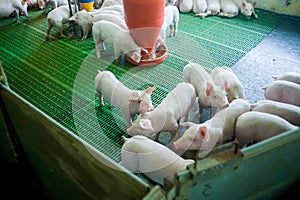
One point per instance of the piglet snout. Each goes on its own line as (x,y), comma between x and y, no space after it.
(225,105)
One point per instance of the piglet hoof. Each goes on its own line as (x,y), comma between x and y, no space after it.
(236,146)
(98,55)
(154,137)
(101,104)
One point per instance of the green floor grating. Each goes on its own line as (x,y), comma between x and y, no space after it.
(57,76)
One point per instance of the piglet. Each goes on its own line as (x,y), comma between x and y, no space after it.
(171,2)
(288,76)
(86,19)
(283,91)
(289,112)
(115,9)
(252,127)
(121,39)
(171,19)
(209,94)
(199,7)
(127,100)
(215,131)
(108,3)
(36,3)
(185,6)
(140,154)
(58,17)
(228,9)
(13,7)
(213,8)
(246,8)
(235,88)
(54,4)
(165,116)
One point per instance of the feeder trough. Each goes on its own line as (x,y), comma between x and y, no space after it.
(144,20)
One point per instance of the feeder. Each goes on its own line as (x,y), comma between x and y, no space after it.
(144,19)
(87,5)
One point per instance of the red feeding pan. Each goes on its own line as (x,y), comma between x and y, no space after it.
(144,19)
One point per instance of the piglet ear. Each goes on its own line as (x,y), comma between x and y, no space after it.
(187,124)
(243,4)
(204,133)
(209,88)
(136,57)
(73,18)
(149,90)
(264,88)
(146,124)
(254,4)
(134,96)
(144,107)
(226,86)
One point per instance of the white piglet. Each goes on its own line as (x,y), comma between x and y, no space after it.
(129,101)
(185,6)
(246,8)
(13,7)
(109,3)
(140,154)
(86,19)
(36,3)
(121,39)
(199,7)
(209,94)
(252,127)
(235,88)
(171,2)
(171,19)
(288,76)
(115,9)
(167,114)
(217,130)
(289,112)
(228,9)
(54,4)
(213,7)
(58,17)
(283,91)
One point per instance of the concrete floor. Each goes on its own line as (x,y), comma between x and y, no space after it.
(279,52)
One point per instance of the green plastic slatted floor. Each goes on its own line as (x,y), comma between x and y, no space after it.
(57,76)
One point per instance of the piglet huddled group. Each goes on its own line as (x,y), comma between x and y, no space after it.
(224,8)
(106,23)
(235,118)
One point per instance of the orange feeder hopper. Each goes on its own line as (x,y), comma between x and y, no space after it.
(144,19)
